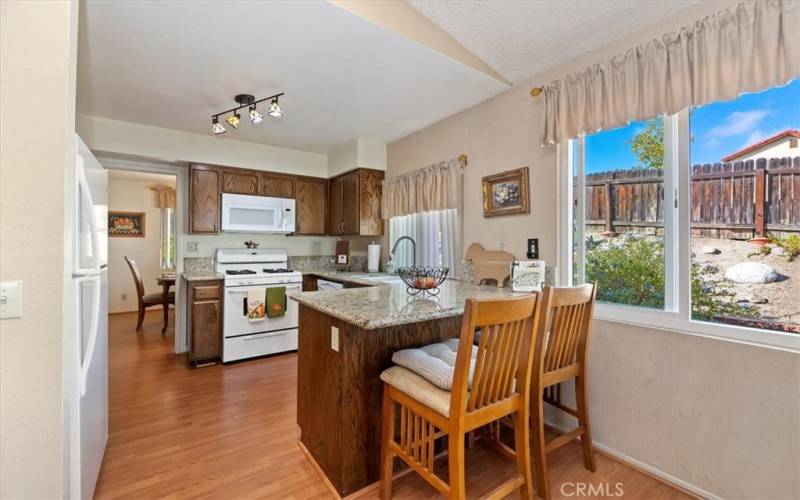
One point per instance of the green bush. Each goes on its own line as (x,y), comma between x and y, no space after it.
(630,270)
(790,243)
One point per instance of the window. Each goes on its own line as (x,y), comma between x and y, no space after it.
(621,176)
(436,236)
(167,238)
(693,218)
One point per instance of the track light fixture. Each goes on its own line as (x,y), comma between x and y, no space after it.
(250,102)
(274,109)
(216,126)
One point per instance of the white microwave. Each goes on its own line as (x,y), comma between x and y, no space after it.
(257,214)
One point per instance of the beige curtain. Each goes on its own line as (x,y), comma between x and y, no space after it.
(751,47)
(435,187)
(166,196)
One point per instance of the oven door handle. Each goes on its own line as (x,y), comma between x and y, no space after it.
(244,306)
(266,335)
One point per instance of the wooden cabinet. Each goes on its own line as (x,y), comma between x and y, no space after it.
(370,188)
(240,182)
(311,195)
(204,199)
(277,186)
(204,321)
(355,203)
(349,204)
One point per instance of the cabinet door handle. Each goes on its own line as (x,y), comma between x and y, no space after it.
(244,306)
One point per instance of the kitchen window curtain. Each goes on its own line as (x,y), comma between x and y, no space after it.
(753,46)
(427,205)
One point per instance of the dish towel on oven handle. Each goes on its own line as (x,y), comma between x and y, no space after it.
(256,307)
(276,301)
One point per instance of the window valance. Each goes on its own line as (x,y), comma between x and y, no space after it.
(435,187)
(751,47)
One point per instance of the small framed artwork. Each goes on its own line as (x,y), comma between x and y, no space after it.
(527,275)
(126,224)
(507,193)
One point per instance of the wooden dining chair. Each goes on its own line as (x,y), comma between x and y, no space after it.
(497,387)
(145,300)
(561,353)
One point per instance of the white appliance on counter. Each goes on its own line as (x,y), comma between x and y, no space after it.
(256,269)
(243,213)
(86,315)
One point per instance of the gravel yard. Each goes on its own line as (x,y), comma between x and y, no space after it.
(782,296)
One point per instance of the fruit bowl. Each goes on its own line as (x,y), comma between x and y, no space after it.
(423,279)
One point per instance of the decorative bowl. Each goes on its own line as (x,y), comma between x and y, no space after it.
(423,279)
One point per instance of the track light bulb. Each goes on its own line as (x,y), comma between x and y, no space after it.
(233,120)
(255,116)
(274,109)
(216,126)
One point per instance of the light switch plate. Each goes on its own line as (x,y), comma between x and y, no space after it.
(335,338)
(10,299)
(192,247)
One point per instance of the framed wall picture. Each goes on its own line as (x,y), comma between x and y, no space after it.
(507,193)
(125,224)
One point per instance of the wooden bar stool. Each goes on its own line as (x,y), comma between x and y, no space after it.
(498,386)
(561,353)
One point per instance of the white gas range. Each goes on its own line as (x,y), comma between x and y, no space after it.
(249,270)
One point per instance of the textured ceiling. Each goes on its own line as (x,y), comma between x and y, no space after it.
(173,64)
(520,39)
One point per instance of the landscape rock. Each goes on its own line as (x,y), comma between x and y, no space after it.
(751,272)
(710,250)
(709,267)
(778,251)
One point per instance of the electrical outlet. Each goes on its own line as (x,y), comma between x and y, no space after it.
(192,247)
(335,338)
(124,296)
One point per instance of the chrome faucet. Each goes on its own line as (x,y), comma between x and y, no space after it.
(413,249)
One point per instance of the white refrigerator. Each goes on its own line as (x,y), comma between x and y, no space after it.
(87,339)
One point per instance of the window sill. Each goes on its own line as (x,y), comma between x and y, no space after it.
(672,322)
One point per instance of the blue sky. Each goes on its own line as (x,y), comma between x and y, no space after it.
(717,129)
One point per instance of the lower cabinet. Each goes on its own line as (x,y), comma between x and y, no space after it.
(204,321)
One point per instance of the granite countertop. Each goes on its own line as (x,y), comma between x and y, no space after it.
(345,276)
(389,304)
(201,275)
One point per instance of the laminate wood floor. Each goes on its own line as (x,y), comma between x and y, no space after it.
(230,432)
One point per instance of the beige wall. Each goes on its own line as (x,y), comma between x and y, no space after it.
(37,97)
(134,195)
(722,417)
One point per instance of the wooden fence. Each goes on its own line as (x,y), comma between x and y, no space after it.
(729,200)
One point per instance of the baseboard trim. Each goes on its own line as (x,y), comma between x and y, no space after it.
(645,468)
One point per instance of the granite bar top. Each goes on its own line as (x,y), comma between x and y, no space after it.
(389,304)
(357,277)
(202,276)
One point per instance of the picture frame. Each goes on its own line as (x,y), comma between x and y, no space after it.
(126,224)
(527,275)
(506,193)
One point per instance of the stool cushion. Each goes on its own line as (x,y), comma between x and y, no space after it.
(435,362)
(418,388)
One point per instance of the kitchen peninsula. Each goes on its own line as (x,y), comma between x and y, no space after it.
(346,339)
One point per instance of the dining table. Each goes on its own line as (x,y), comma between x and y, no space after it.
(166,281)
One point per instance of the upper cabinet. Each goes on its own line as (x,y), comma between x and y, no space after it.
(349,204)
(355,203)
(311,196)
(277,185)
(240,181)
(204,199)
